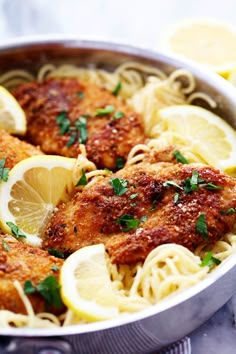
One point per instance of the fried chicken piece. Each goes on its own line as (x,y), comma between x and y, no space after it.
(149,213)
(21,262)
(14,149)
(110,136)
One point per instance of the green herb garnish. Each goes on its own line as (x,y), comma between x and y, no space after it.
(229,211)
(83,180)
(81,125)
(72,140)
(176,198)
(212,186)
(133,204)
(201,226)
(191,183)
(4,171)
(118,115)
(172,184)
(15,230)
(104,111)
(119,186)
(56,253)
(48,288)
(128,222)
(143,219)
(134,195)
(154,205)
(55,268)
(63,122)
(119,163)
(80,94)
(5,246)
(117,89)
(209,260)
(179,157)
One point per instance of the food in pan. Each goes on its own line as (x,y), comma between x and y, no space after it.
(134,210)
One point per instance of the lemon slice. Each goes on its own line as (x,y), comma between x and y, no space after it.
(86,287)
(34,187)
(12,117)
(205,41)
(206,134)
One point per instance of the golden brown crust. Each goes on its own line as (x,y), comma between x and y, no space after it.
(22,262)
(91,216)
(108,138)
(14,149)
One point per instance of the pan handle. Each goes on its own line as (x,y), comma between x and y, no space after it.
(36,345)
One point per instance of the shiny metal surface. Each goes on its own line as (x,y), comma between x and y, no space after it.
(172,319)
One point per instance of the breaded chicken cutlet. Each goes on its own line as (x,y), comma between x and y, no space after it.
(22,262)
(63,112)
(14,149)
(143,206)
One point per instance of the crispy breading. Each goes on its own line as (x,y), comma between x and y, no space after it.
(93,216)
(21,262)
(109,138)
(14,149)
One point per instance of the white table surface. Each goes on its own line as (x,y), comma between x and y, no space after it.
(140,23)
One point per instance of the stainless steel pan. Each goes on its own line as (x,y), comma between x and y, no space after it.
(172,319)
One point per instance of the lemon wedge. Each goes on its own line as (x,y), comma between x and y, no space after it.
(34,187)
(207,135)
(12,117)
(86,287)
(205,41)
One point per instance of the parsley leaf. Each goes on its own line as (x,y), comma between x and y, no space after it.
(81,125)
(15,230)
(5,246)
(104,111)
(154,205)
(176,198)
(209,260)
(128,222)
(80,94)
(179,157)
(191,183)
(134,195)
(201,226)
(72,140)
(229,211)
(49,289)
(119,163)
(4,171)
(117,89)
(83,180)
(171,184)
(119,186)
(212,186)
(56,253)
(63,122)
(55,268)
(118,115)
(29,288)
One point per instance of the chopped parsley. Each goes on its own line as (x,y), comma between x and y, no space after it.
(154,205)
(171,184)
(128,222)
(133,204)
(134,195)
(212,186)
(179,157)
(80,94)
(119,163)
(209,260)
(48,288)
(83,180)
(15,230)
(176,198)
(5,246)
(75,129)
(229,211)
(201,226)
(104,111)
(118,115)
(55,268)
(119,186)
(4,171)
(81,125)
(117,89)
(56,253)
(63,122)
(143,219)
